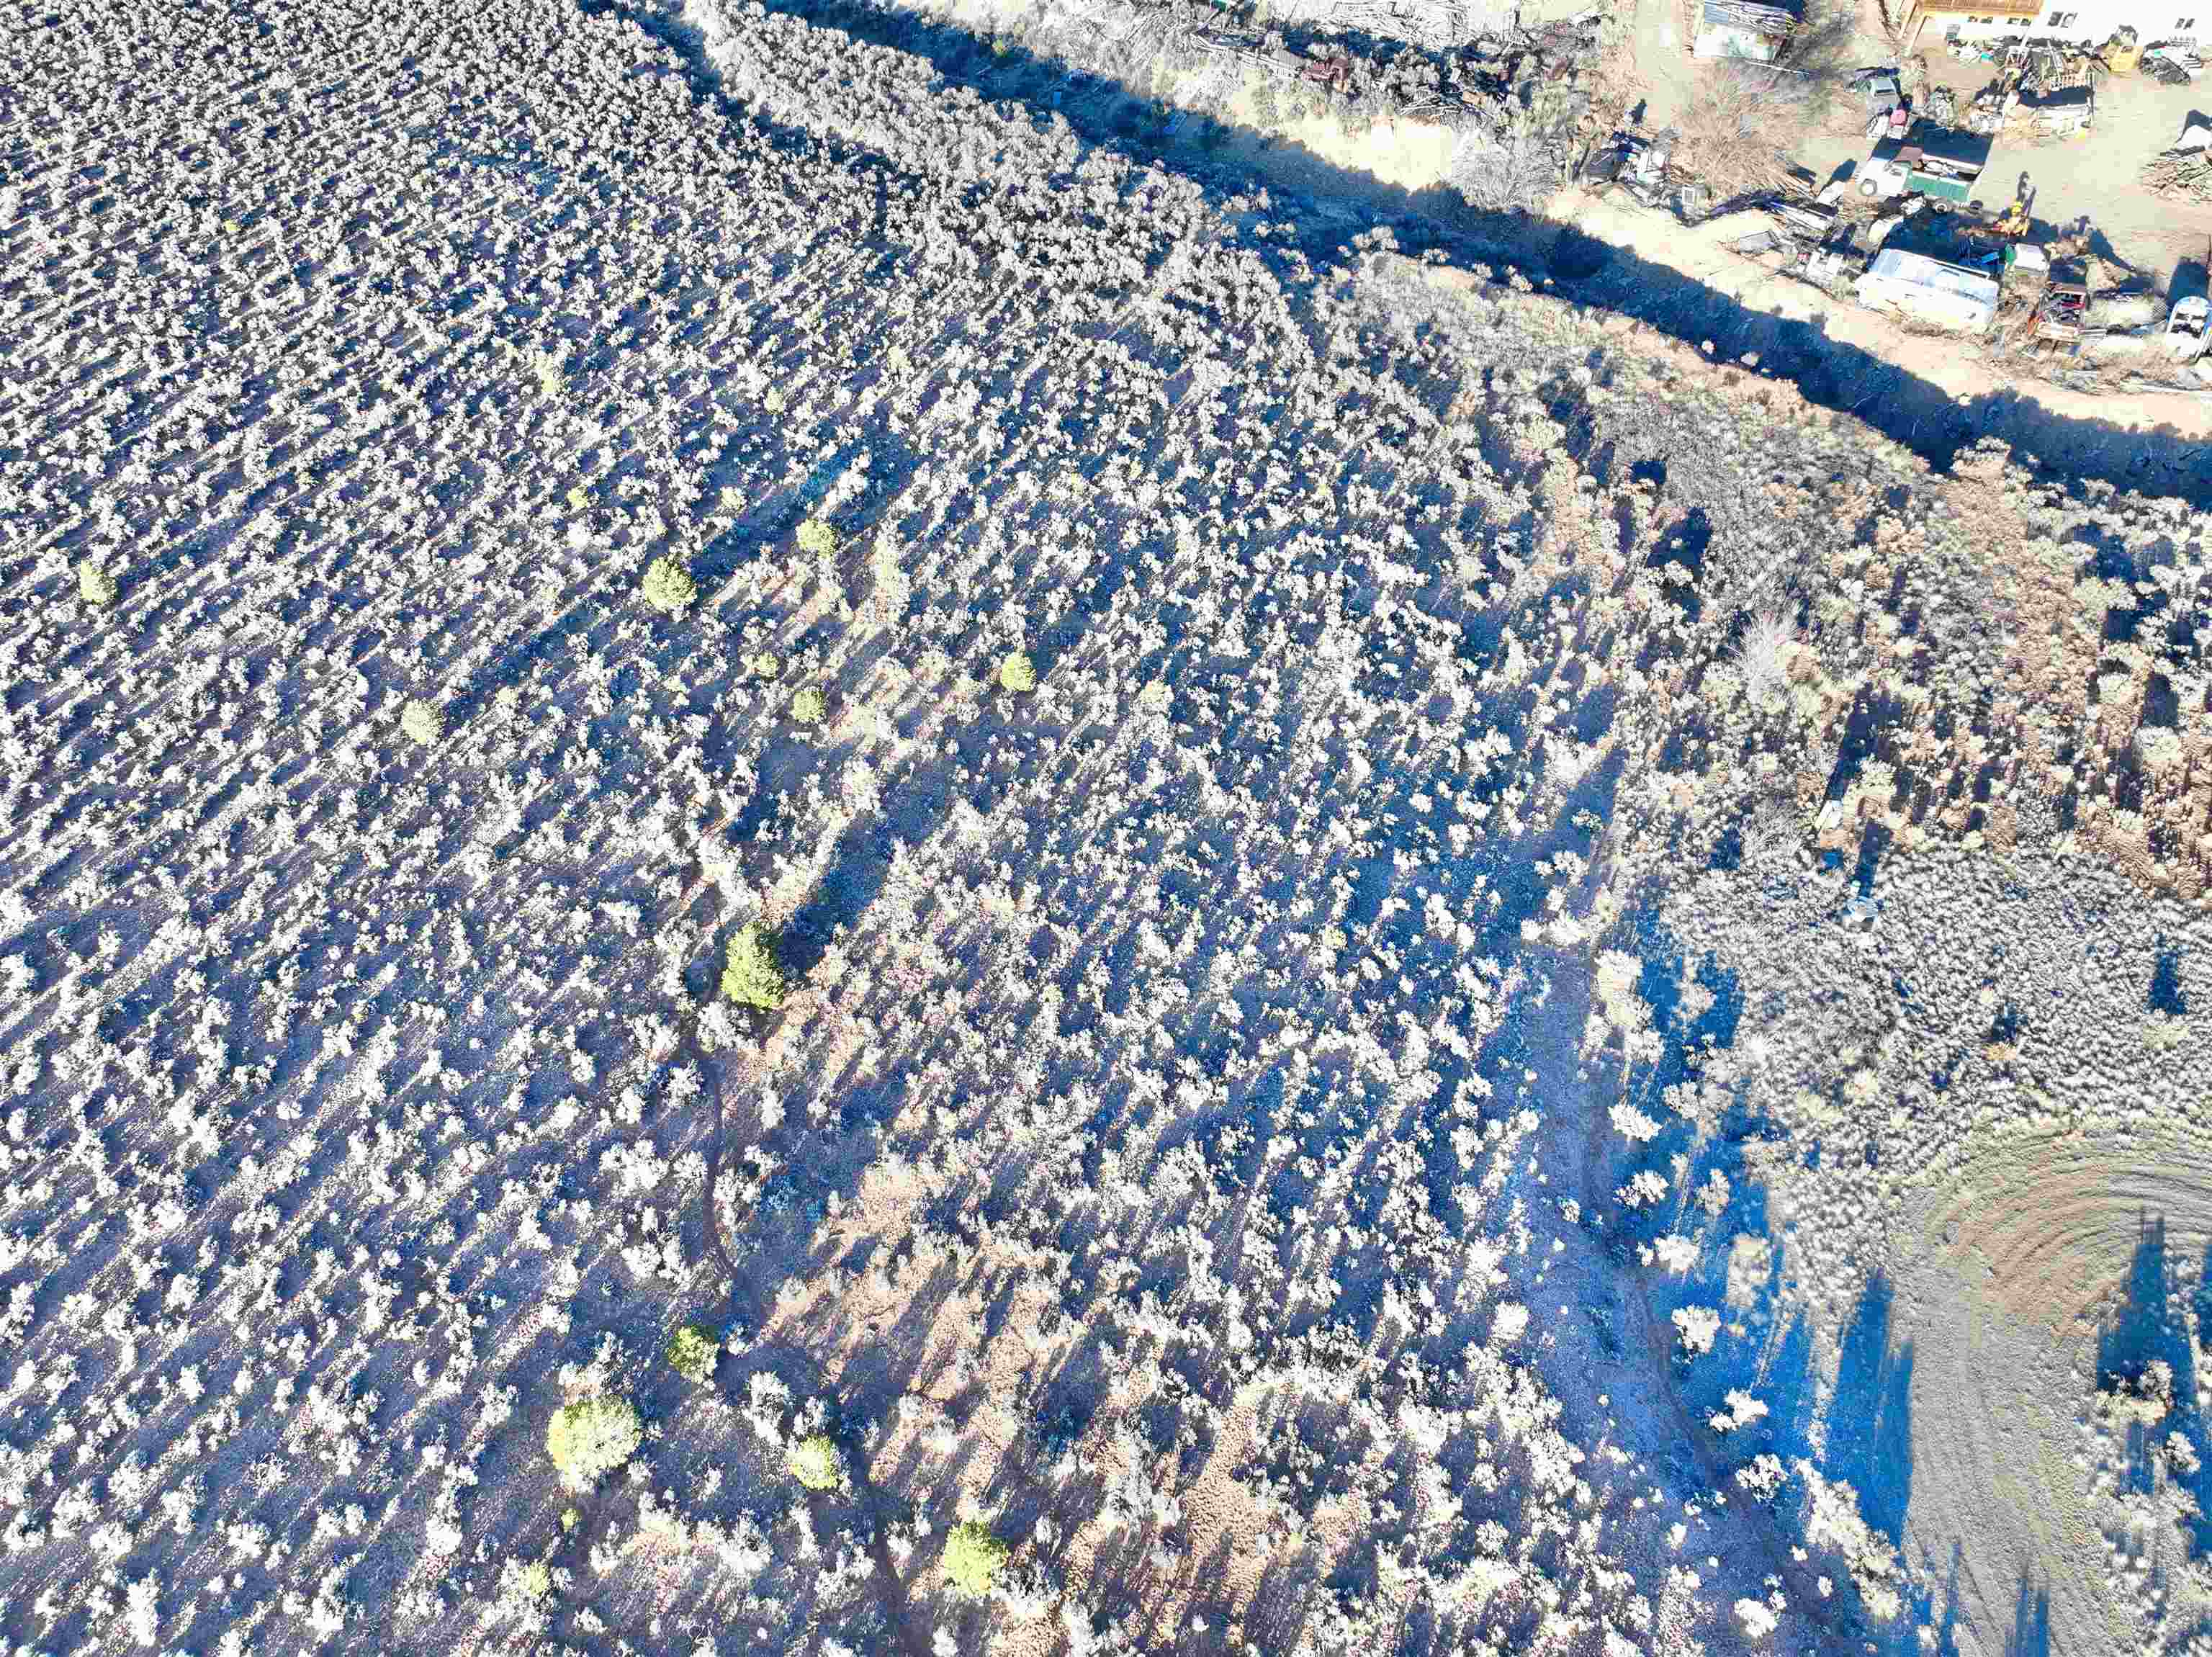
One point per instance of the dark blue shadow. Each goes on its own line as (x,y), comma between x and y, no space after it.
(2031,1621)
(1870,1418)
(2149,1329)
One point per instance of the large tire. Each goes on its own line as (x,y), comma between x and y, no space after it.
(1869,188)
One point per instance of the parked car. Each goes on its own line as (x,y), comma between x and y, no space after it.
(1880,89)
(1879,86)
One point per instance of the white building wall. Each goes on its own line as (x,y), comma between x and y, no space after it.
(2089,23)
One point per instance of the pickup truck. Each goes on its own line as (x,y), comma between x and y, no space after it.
(1885,181)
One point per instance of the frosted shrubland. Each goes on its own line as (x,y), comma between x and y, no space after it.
(1153,1064)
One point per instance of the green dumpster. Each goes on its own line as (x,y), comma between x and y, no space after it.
(1955,190)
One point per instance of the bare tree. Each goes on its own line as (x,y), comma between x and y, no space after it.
(1514,167)
(1738,133)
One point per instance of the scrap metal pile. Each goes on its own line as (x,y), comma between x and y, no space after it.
(1529,65)
(2173,65)
(2185,174)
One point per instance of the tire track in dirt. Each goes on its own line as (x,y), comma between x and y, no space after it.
(2016,1263)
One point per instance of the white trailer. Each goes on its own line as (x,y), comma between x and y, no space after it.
(1930,291)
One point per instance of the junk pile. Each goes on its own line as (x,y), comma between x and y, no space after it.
(1991,107)
(2060,112)
(1639,164)
(2172,65)
(1643,164)
(2045,69)
(2180,173)
(2038,108)
(1536,69)
(2185,328)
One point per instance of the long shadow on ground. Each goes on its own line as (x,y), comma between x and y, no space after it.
(1763,1354)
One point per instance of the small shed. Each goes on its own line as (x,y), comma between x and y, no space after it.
(1930,291)
(1741,28)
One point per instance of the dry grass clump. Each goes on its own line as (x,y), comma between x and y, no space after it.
(1763,658)
(1514,167)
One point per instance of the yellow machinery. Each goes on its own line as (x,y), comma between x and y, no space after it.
(2122,52)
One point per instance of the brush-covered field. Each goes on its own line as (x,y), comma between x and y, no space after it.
(784,868)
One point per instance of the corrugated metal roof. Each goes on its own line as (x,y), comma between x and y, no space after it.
(1748,14)
(1931,289)
(1921,271)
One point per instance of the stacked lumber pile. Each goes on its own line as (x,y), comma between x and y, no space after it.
(2187,174)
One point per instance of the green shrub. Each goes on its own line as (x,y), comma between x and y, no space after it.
(550,369)
(816,1462)
(524,1586)
(691,1351)
(753,975)
(973,1557)
(668,586)
(591,1437)
(95,586)
(817,538)
(1018,673)
(764,664)
(810,706)
(421,721)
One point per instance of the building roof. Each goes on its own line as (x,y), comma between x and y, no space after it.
(1747,15)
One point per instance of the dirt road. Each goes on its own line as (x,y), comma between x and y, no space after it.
(1706,254)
